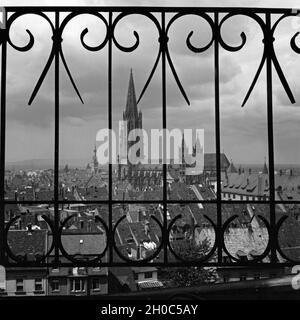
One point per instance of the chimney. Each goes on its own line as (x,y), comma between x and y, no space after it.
(249,171)
(81,224)
(291,172)
(90,225)
(29,229)
(280,172)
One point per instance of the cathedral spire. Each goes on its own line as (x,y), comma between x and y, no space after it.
(131,105)
(265,168)
(95,160)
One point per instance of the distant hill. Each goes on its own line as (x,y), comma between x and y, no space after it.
(38,164)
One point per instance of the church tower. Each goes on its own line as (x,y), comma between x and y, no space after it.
(95,161)
(133,117)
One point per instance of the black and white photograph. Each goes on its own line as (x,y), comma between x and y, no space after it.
(149,151)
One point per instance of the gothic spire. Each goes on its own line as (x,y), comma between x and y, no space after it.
(265,169)
(131,105)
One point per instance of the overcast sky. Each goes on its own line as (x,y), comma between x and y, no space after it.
(30,132)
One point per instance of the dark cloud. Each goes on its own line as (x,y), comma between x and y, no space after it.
(240,127)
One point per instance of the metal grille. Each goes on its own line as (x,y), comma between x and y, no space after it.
(262,17)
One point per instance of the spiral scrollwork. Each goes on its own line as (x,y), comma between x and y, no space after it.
(189,45)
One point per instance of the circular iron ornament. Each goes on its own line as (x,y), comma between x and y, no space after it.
(99,256)
(293,43)
(188,40)
(268,49)
(86,30)
(205,257)
(22,258)
(136,44)
(278,226)
(30,43)
(136,35)
(137,262)
(189,45)
(243,36)
(257,259)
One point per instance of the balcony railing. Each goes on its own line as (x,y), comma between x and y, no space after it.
(58,18)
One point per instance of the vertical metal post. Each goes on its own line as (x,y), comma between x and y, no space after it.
(110,237)
(163,44)
(217,133)
(268,42)
(2,138)
(56,136)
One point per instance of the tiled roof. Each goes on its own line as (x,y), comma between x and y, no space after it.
(254,184)
(257,184)
(210,161)
(22,242)
(84,244)
(150,284)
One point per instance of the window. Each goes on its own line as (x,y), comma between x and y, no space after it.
(135,276)
(148,275)
(20,285)
(55,285)
(38,284)
(77,285)
(96,284)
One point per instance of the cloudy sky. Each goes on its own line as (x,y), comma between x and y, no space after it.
(30,132)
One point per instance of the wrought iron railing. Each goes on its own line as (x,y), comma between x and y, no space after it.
(110,17)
